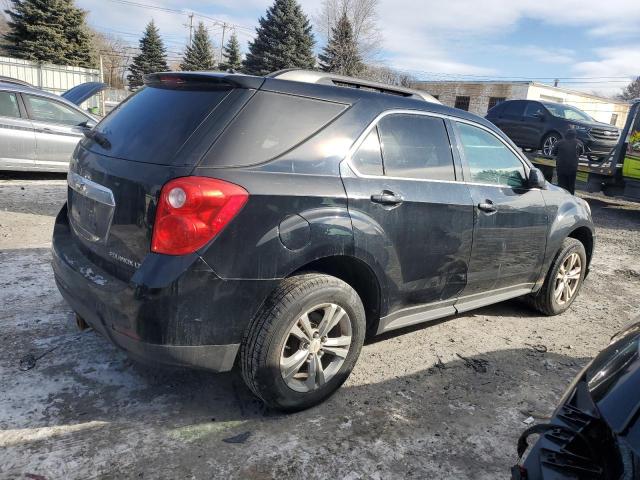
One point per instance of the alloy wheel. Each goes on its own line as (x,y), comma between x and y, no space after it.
(315,347)
(568,279)
(549,142)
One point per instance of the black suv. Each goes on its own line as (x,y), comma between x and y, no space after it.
(275,221)
(538,125)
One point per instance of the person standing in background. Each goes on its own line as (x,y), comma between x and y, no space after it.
(566,153)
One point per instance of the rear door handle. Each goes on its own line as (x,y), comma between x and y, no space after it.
(386,198)
(487,206)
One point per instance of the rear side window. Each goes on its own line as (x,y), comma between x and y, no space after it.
(152,125)
(513,109)
(270,125)
(489,160)
(368,158)
(416,146)
(9,105)
(47,110)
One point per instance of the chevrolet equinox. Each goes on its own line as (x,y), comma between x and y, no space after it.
(271,223)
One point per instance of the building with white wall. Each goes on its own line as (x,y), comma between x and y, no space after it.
(479,96)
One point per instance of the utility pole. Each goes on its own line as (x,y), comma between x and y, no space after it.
(190,29)
(102,93)
(224,29)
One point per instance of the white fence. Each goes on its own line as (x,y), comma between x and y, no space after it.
(49,77)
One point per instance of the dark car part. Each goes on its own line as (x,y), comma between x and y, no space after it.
(595,432)
(197,209)
(83,92)
(563,282)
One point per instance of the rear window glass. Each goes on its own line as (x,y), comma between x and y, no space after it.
(152,125)
(269,125)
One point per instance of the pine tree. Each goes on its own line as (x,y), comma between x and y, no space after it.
(152,57)
(232,58)
(199,55)
(283,40)
(52,31)
(631,91)
(340,55)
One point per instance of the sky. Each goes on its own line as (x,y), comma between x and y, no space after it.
(590,45)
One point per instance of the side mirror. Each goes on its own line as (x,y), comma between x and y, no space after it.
(89,124)
(540,116)
(536,179)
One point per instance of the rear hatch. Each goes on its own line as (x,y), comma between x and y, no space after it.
(157,134)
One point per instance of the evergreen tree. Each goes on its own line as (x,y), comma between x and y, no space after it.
(232,58)
(340,55)
(152,57)
(199,55)
(283,40)
(52,31)
(631,91)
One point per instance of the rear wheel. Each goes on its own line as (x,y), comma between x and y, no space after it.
(563,280)
(548,143)
(304,342)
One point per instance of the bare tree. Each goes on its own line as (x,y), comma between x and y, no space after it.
(384,74)
(116,55)
(363,16)
(4,29)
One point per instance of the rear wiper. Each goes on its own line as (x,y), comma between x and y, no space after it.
(99,138)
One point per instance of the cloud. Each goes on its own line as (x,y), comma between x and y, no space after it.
(612,62)
(426,36)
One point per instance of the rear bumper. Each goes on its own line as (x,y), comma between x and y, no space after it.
(196,320)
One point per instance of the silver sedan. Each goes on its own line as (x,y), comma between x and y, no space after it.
(40,130)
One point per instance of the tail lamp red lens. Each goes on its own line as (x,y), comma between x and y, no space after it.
(192,211)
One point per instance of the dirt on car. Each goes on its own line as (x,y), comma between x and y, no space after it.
(442,400)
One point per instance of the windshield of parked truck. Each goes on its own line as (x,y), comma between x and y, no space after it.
(568,112)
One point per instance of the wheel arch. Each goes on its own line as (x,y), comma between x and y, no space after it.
(358,275)
(585,236)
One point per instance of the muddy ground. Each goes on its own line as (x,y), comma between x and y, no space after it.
(445,400)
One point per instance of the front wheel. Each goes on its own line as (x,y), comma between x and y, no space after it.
(564,279)
(304,342)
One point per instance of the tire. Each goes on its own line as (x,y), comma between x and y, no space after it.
(546,300)
(277,337)
(548,142)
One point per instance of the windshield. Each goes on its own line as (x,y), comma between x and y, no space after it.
(568,112)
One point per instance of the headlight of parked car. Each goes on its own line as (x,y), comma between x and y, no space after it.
(579,128)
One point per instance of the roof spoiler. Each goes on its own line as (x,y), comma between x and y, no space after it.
(202,80)
(325,78)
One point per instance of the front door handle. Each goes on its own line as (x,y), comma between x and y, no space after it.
(487,206)
(386,198)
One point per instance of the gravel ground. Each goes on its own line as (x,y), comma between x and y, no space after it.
(445,400)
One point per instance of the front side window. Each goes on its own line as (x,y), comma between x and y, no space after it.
(9,105)
(534,109)
(416,146)
(489,160)
(568,112)
(368,158)
(47,110)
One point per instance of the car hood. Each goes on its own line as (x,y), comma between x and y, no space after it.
(613,379)
(84,91)
(593,124)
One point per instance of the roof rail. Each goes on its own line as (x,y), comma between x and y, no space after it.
(325,78)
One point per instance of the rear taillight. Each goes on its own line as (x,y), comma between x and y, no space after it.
(192,211)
